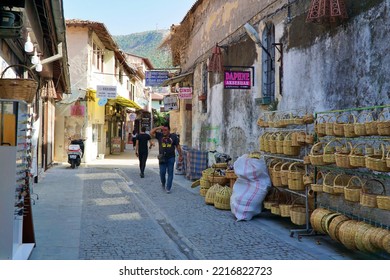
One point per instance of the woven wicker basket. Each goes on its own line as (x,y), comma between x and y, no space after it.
(361,229)
(352,190)
(377,236)
(383,202)
(288,149)
(329,151)
(295,176)
(347,232)
(366,240)
(279,143)
(342,157)
(371,124)
(349,127)
(276,175)
(318,185)
(272,142)
(316,154)
(329,125)
(369,199)
(284,169)
(359,126)
(357,157)
(339,183)
(298,214)
(316,218)
(384,123)
(222,198)
(338,126)
(327,185)
(377,162)
(217,179)
(18,89)
(334,226)
(319,126)
(210,195)
(275,209)
(386,243)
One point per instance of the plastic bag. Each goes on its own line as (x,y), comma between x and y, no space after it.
(251,187)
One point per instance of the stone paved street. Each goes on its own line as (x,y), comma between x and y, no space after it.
(106,211)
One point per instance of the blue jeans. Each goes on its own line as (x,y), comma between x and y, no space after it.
(164,168)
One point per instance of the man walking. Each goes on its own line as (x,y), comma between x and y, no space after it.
(141,149)
(167,143)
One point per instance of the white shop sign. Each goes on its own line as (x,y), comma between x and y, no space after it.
(170,103)
(185,93)
(106,91)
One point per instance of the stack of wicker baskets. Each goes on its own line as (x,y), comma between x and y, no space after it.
(222,198)
(204,181)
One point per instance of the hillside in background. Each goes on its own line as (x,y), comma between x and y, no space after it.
(146,44)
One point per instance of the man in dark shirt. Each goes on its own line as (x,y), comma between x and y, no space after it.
(141,149)
(167,143)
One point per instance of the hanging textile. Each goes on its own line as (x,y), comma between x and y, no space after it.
(322,11)
(216,62)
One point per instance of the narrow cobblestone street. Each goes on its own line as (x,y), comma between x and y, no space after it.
(106,211)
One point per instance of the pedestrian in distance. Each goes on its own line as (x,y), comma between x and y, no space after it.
(134,138)
(141,149)
(168,144)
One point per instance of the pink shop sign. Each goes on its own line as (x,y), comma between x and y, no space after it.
(237,80)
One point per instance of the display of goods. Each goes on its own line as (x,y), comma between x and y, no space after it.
(383,124)
(222,198)
(371,124)
(361,244)
(316,154)
(275,209)
(328,181)
(377,236)
(357,156)
(347,232)
(342,157)
(319,126)
(329,125)
(210,194)
(367,242)
(288,149)
(370,199)
(383,202)
(318,185)
(339,183)
(276,176)
(353,189)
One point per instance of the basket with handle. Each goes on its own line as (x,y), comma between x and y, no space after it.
(272,142)
(342,157)
(388,159)
(319,126)
(308,118)
(288,149)
(383,201)
(330,149)
(357,156)
(349,126)
(276,175)
(327,184)
(339,183)
(18,89)
(284,169)
(316,154)
(329,125)
(263,141)
(369,199)
(295,174)
(222,198)
(271,198)
(383,123)
(210,194)
(359,126)
(371,124)
(215,178)
(353,188)
(298,214)
(279,143)
(285,207)
(297,138)
(377,162)
(338,125)
(318,185)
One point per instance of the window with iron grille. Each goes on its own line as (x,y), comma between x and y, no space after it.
(268,66)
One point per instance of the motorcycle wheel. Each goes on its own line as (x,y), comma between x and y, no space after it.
(73,164)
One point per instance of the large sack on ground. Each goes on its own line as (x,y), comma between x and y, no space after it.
(250,188)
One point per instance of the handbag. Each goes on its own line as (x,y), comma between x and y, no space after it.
(161,159)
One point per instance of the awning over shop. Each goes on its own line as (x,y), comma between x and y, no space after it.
(176,79)
(125,102)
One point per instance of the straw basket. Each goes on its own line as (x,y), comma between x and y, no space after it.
(271,198)
(357,157)
(308,118)
(377,237)
(298,214)
(276,175)
(334,226)
(285,208)
(316,154)
(386,243)
(210,195)
(329,151)
(272,142)
(217,179)
(295,174)
(366,240)
(284,173)
(338,126)
(342,157)
(347,232)
(262,141)
(383,202)
(222,198)
(279,143)
(329,126)
(383,125)
(318,185)
(349,126)
(298,138)
(388,159)
(316,218)
(327,185)
(275,209)
(353,189)
(360,127)
(377,162)
(360,229)
(339,183)
(18,89)
(371,124)
(288,149)
(319,126)
(262,122)
(369,199)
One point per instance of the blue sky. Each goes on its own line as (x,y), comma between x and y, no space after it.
(123,17)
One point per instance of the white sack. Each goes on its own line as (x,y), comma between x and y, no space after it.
(250,188)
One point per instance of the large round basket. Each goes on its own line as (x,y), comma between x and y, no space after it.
(222,198)
(316,218)
(377,236)
(361,245)
(333,229)
(347,232)
(367,243)
(18,89)
(386,243)
(210,195)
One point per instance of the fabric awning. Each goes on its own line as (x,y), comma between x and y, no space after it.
(176,79)
(125,102)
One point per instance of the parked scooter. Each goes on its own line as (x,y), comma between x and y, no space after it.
(75,152)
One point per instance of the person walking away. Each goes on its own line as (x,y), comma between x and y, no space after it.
(167,144)
(141,149)
(134,138)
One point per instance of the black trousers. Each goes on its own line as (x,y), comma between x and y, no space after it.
(142,162)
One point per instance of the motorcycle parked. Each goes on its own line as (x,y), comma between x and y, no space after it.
(75,152)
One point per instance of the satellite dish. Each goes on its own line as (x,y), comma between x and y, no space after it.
(252,33)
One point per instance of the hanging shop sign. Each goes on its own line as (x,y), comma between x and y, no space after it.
(77,110)
(170,103)
(106,91)
(237,80)
(185,93)
(155,78)
(132,117)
